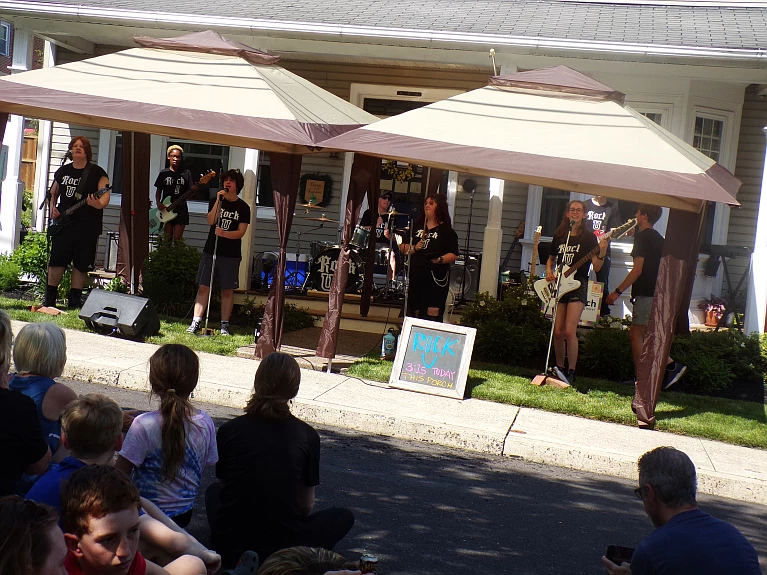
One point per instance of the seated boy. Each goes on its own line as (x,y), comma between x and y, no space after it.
(91,430)
(100,518)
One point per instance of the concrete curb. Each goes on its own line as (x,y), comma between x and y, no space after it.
(532,435)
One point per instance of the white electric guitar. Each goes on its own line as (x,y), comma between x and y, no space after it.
(536,241)
(546,290)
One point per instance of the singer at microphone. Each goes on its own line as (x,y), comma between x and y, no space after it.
(571,245)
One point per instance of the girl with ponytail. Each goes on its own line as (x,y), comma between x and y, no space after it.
(167,450)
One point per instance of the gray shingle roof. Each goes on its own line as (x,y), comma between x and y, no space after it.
(690,26)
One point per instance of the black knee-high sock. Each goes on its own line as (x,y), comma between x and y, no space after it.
(50,296)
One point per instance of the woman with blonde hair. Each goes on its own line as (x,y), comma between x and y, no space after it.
(268,468)
(39,355)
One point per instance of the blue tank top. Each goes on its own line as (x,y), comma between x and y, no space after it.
(36,386)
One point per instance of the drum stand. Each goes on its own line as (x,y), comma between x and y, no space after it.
(545,377)
(295,275)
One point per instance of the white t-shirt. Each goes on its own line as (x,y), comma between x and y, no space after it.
(143,448)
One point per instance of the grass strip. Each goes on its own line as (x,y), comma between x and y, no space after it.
(728,420)
(172,330)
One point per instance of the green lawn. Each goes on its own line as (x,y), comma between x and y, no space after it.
(172,330)
(728,420)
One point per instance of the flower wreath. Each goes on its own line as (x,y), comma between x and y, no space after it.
(398,174)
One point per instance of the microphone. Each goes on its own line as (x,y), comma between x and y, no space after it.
(572,223)
(68,155)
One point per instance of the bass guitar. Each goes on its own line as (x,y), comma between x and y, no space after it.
(65,217)
(158,218)
(547,290)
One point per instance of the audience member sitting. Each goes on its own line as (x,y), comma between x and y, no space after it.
(269,465)
(686,540)
(39,354)
(31,542)
(22,446)
(91,431)
(100,516)
(307,561)
(168,449)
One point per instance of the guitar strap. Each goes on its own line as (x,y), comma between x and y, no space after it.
(83,179)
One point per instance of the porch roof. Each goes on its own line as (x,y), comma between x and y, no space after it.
(739,26)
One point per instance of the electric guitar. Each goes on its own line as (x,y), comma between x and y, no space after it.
(65,217)
(547,290)
(158,218)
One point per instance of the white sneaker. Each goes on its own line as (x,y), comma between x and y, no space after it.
(225,329)
(194,327)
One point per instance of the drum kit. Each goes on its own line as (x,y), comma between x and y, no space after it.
(323,258)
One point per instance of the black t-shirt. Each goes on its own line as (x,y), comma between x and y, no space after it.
(577,247)
(438,241)
(173,184)
(21,437)
(366,221)
(648,244)
(603,218)
(262,464)
(68,178)
(232,215)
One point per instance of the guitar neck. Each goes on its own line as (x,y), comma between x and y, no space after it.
(76,206)
(185,196)
(583,260)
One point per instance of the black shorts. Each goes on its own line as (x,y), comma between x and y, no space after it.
(427,290)
(577,295)
(72,245)
(227,271)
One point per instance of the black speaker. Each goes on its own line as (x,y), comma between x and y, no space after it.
(472,277)
(131,315)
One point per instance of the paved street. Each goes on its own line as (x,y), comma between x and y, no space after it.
(429,510)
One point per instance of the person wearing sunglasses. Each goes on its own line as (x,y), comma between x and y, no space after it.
(686,540)
(567,250)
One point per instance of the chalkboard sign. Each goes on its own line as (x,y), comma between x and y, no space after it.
(433,357)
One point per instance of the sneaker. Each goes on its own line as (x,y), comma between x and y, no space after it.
(225,329)
(194,327)
(571,376)
(674,372)
(559,373)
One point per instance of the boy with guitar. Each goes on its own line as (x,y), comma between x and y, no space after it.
(173,183)
(79,194)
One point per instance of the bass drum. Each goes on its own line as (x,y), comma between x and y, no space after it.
(324,267)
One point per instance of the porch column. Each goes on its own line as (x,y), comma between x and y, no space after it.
(491,244)
(756,296)
(12,187)
(248,194)
(43,180)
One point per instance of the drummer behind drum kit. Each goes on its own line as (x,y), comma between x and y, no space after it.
(324,257)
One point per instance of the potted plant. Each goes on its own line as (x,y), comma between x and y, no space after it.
(715,308)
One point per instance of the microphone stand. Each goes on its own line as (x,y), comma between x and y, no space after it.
(560,268)
(407,275)
(462,300)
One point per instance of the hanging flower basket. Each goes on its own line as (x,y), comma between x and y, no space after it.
(397,173)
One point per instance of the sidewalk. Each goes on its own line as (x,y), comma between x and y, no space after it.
(371,407)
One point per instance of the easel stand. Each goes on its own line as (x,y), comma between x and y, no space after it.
(546,378)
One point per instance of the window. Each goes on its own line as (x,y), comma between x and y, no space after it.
(707,139)
(199,158)
(5,39)
(626,208)
(264,190)
(117,170)
(553,207)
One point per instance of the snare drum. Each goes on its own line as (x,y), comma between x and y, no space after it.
(324,268)
(315,248)
(382,257)
(360,237)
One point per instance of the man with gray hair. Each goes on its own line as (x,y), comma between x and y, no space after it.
(686,540)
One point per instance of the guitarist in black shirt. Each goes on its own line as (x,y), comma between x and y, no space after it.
(174,182)
(76,233)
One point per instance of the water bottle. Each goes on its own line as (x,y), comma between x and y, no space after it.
(389,345)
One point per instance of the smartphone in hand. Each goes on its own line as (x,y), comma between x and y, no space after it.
(618,554)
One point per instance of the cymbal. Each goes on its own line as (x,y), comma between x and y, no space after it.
(309,206)
(323,219)
(395,213)
(401,230)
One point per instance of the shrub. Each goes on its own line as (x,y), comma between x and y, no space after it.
(117,284)
(606,353)
(32,257)
(295,317)
(170,274)
(9,273)
(517,307)
(498,341)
